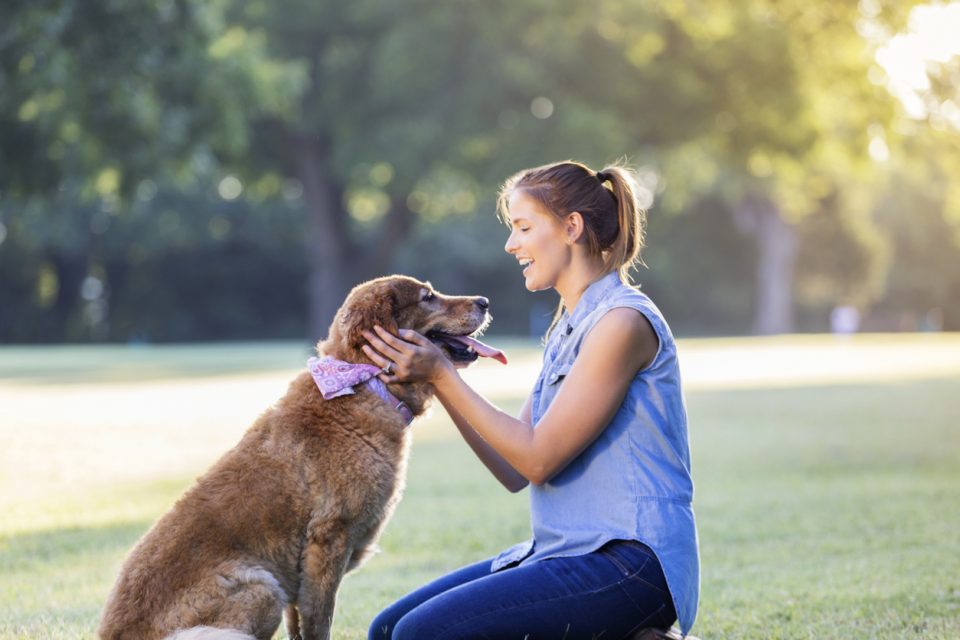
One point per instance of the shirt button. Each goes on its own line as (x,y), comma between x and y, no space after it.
(553,377)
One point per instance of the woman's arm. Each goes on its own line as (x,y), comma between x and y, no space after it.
(620,344)
(499,467)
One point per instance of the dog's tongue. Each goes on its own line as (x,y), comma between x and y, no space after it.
(482,349)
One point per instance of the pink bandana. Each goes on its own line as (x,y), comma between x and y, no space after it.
(337,378)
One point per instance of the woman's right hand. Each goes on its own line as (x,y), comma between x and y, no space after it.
(409,358)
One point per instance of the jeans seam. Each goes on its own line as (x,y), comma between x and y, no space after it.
(644,624)
(649,584)
(646,583)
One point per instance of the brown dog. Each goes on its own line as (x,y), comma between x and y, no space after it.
(275,524)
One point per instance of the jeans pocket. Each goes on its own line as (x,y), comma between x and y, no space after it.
(627,556)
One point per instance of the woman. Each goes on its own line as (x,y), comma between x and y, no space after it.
(602,438)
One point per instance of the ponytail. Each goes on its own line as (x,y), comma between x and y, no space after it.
(624,254)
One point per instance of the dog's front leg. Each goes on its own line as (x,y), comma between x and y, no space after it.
(323,564)
(293,622)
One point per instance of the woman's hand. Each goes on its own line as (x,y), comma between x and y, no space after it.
(410,359)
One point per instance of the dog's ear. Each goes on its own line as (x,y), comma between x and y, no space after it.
(376,308)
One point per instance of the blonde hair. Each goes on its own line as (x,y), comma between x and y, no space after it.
(614,222)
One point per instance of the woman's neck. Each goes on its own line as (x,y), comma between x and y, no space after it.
(577,280)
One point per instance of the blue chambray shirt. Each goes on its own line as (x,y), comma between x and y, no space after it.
(633,482)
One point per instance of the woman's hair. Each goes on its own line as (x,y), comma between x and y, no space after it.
(613,220)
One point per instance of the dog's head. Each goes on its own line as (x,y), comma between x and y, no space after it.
(401,302)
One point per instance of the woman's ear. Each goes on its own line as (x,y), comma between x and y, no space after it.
(573,227)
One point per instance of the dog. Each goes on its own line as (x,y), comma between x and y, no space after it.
(275,524)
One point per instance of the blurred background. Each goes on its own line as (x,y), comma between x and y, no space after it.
(189,188)
(177,170)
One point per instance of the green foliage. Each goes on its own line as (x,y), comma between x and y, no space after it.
(107,94)
(843,257)
(372,127)
(923,285)
(173,266)
(685,248)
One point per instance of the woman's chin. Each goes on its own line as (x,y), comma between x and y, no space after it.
(535,285)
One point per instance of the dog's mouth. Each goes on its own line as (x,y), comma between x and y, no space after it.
(464,349)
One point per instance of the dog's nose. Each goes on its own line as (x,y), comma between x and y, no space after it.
(482,302)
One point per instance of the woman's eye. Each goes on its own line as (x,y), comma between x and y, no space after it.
(524,228)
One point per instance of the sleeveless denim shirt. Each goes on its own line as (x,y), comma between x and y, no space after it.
(633,482)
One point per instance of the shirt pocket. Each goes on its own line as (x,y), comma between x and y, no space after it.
(548,389)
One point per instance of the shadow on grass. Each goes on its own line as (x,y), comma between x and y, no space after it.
(54,582)
(65,546)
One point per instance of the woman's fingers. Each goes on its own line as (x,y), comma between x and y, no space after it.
(382,346)
(395,342)
(393,352)
(377,359)
(381,362)
(410,357)
(412,336)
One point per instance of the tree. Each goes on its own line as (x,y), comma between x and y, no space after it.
(413,110)
(794,113)
(100,98)
(374,117)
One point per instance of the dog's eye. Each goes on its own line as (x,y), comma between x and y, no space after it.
(428,296)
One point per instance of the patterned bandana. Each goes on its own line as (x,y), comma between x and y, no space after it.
(337,378)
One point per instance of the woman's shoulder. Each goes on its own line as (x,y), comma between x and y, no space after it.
(625,330)
(631,297)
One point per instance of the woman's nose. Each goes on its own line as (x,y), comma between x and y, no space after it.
(510,246)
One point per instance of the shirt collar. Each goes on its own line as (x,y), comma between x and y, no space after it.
(595,292)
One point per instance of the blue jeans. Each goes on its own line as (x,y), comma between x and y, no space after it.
(611,592)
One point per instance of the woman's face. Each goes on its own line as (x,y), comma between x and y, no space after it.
(537,241)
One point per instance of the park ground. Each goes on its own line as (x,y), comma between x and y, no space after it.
(827,476)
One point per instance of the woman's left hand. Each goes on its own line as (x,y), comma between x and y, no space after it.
(410,359)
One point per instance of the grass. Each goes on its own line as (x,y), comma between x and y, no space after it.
(827,479)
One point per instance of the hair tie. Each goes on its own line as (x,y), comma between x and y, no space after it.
(602,177)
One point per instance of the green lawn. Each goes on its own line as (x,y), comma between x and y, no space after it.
(827,479)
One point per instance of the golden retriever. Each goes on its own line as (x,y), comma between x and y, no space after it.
(275,524)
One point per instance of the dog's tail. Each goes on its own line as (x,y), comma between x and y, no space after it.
(209,633)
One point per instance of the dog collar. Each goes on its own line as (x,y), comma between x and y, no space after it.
(379,388)
(337,378)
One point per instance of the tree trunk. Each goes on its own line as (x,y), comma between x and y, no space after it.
(335,262)
(776,256)
(71,269)
(328,243)
(394,230)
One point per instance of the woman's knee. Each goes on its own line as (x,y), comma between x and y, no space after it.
(417,625)
(383,625)
(407,628)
